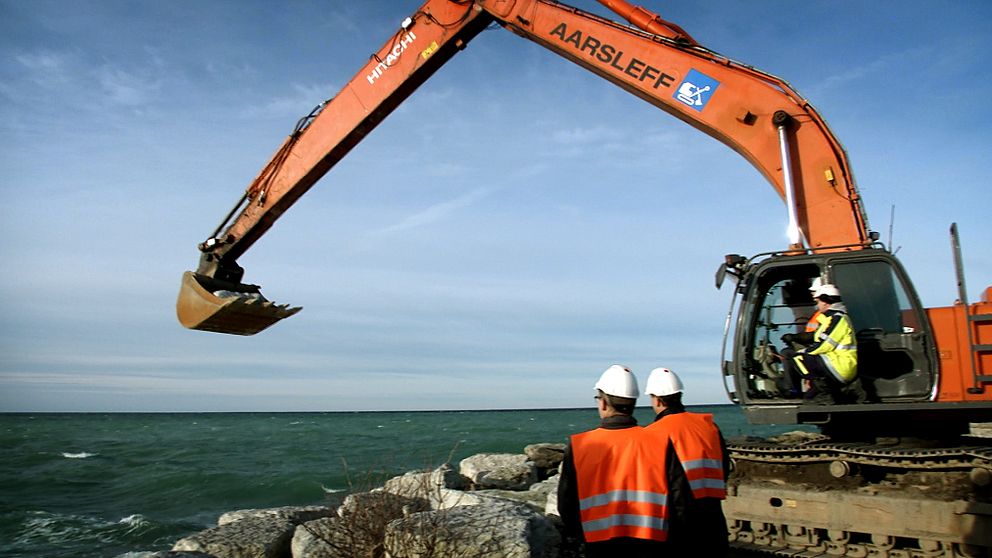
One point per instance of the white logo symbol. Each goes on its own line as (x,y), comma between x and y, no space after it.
(691,95)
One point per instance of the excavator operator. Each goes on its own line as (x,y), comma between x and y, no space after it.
(830,362)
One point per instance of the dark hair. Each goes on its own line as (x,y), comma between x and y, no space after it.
(672,400)
(622,405)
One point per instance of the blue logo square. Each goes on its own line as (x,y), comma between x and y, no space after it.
(696,90)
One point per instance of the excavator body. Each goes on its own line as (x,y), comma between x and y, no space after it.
(927,372)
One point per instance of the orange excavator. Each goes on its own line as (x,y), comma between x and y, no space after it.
(928,372)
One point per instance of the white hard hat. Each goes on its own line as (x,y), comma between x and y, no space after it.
(662,382)
(619,381)
(826,289)
(815,284)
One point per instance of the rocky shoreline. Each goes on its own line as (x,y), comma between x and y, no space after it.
(492,505)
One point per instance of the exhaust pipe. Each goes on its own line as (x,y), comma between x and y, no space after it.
(206,304)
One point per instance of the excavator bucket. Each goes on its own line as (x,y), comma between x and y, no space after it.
(226,311)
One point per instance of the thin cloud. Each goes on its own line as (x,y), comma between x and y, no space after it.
(121,87)
(586,136)
(876,67)
(435,212)
(176,361)
(297,103)
(46,68)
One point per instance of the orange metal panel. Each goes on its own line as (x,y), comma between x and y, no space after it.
(958,365)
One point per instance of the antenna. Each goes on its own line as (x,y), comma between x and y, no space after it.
(892,220)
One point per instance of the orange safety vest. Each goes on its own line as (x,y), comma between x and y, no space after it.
(697,443)
(623,492)
(814,322)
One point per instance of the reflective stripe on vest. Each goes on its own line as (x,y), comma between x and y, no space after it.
(706,478)
(625,525)
(697,443)
(621,483)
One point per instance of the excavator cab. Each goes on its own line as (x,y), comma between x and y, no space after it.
(896,352)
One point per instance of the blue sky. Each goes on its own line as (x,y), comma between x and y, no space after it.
(515,227)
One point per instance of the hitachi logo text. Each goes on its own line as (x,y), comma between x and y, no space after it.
(391,58)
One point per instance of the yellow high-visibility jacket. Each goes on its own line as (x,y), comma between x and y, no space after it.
(835,342)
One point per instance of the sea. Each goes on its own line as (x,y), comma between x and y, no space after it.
(121,485)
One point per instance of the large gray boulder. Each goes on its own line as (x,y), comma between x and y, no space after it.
(172,554)
(294,514)
(508,471)
(536,496)
(535,500)
(379,503)
(551,505)
(425,484)
(545,455)
(327,537)
(359,528)
(498,528)
(254,537)
(546,487)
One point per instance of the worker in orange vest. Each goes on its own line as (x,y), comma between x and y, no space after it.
(612,493)
(697,469)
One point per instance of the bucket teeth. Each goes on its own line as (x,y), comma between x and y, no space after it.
(199,308)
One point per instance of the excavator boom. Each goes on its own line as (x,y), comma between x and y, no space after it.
(757,115)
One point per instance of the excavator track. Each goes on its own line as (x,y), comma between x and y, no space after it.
(810,496)
(865,454)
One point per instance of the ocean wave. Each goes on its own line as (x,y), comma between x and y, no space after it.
(44,533)
(134,520)
(49,527)
(331,490)
(79,455)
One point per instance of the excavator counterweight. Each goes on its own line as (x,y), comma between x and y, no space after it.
(226,311)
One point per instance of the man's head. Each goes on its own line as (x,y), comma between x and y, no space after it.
(665,389)
(616,391)
(827,294)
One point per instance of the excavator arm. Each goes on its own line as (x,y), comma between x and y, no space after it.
(757,115)
(213,298)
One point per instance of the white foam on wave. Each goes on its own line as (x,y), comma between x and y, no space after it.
(133,519)
(331,490)
(80,455)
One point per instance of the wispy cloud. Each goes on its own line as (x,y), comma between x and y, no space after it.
(46,68)
(586,136)
(298,102)
(123,87)
(435,212)
(107,361)
(44,81)
(876,67)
